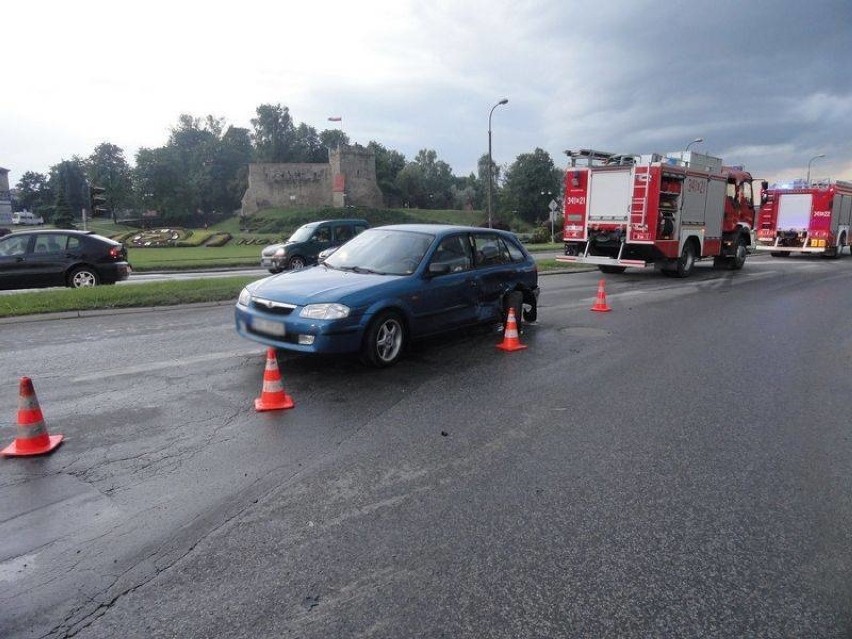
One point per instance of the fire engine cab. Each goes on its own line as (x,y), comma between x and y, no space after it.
(652,210)
(798,217)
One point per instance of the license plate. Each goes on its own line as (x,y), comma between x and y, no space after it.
(266,326)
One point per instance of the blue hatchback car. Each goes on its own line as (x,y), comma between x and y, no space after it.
(390,285)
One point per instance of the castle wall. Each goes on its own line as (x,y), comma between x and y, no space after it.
(349,178)
(287,186)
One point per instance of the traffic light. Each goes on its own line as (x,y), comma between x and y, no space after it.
(98,199)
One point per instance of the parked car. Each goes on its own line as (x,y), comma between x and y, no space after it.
(35,259)
(390,285)
(307,242)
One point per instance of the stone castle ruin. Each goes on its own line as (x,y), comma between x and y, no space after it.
(348,179)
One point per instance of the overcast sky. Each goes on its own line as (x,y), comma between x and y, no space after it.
(766,83)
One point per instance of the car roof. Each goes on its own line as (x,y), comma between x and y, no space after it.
(440,228)
(345,220)
(71,232)
(64,231)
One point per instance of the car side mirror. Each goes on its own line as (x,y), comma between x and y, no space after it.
(438,268)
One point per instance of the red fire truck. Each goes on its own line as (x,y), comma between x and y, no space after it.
(637,211)
(805,218)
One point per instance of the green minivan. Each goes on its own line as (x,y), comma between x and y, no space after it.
(307,242)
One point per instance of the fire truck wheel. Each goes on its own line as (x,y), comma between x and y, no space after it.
(683,266)
(739,259)
(606,268)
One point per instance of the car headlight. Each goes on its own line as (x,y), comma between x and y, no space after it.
(244,298)
(281,252)
(325,311)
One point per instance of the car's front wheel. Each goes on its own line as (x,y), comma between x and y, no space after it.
(296,262)
(384,340)
(83,277)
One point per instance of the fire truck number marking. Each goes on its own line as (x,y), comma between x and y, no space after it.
(576,199)
(822,213)
(696,186)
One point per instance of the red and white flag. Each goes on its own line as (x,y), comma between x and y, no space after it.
(335,118)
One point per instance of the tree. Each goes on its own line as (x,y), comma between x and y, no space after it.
(34,193)
(333,138)
(530,175)
(388,165)
(427,182)
(107,167)
(307,146)
(63,215)
(68,178)
(273,134)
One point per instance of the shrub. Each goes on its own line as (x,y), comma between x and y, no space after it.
(219,239)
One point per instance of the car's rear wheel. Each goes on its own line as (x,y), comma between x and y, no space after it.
(83,277)
(384,340)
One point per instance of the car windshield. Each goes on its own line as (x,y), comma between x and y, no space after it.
(303,233)
(384,251)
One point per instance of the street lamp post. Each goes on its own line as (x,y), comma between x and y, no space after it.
(816,157)
(490,161)
(552,215)
(695,141)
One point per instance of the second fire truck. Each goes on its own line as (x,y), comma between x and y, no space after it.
(636,211)
(805,218)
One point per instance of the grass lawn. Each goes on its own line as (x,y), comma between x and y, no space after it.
(130,296)
(198,257)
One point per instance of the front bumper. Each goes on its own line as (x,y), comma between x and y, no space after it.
(294,333)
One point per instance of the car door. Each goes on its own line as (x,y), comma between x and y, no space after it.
(495,274)
(321,239)
(448,298)
(13,264)
(47,259)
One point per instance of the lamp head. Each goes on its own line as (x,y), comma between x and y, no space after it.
(503,101)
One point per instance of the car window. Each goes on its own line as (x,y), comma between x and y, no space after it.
(74,244)
(342,233)
(360,228)
(48,243)
(14,245)
(490,250)
(385,251)
(515,254)
(322,234)
(453,253)
(302,234)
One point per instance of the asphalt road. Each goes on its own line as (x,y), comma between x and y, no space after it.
(678,467)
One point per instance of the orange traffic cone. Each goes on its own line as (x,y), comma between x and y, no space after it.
(510,335)
(33,438)
(600,302)
(273,396)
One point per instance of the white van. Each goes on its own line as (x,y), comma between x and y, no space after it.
(27,218)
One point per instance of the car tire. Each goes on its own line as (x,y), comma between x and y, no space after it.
(296,262)
(83,277)
(384,340)
(275,271)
